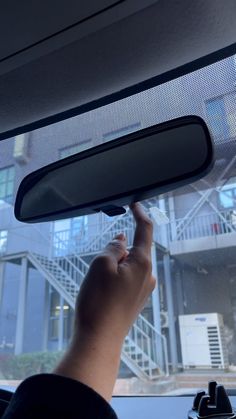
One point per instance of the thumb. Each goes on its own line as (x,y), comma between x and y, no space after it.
(117,248)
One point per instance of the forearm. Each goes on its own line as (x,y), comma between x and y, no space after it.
(94,362)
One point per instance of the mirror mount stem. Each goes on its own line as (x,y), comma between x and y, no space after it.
(112,210)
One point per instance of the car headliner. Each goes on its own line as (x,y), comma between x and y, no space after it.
(65,75)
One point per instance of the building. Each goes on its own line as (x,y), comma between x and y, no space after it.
(42,265)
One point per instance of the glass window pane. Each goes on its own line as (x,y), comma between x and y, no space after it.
(3,241)
(61,225)
(217,117)
(11,173)
(74,149)
(226,199)
(54,328)
(120,132)
(2,190)
(9,188)
(3,175)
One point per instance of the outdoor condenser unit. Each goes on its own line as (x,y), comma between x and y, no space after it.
(202,341)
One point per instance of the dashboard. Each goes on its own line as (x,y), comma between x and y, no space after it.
(155,407)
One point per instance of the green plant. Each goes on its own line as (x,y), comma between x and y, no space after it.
(18,367)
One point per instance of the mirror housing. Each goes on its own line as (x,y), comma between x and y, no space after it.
(137,166)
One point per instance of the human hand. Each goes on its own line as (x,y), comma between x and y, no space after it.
(117,285)
(112,295)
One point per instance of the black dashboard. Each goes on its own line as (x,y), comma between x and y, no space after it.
(155,407)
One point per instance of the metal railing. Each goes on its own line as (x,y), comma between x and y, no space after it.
(64,243)
(152,343)
(212,224)
(146,347)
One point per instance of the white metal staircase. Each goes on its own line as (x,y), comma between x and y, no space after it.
(143,345)
(62,281)
(123,223)
(145,349)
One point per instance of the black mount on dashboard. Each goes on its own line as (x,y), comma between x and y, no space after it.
(214,405)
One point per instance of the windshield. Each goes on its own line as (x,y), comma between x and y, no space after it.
(186,334)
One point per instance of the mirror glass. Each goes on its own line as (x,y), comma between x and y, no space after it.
(112,175)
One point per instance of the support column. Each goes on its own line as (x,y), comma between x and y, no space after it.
(172,218)
(171,316)
(20,323)
(179,292)
(164,239)
(2,266)
(61,325)
(155,293)
(156,310)
(46,316)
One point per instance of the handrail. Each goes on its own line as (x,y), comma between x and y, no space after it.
(71,265)
(126,217)
(161,336)
(109,228)
(74,254)
(122,223)
(146,345)
(211,224)
(49,241)
(69,289)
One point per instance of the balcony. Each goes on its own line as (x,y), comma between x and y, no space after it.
(204,232)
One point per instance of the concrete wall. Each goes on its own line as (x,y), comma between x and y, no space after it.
(33,333)
(211,292)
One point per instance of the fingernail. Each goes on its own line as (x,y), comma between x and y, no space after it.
(120,236)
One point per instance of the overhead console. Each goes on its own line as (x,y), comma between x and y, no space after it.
(31,29)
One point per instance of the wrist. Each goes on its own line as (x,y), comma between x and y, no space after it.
(92,361)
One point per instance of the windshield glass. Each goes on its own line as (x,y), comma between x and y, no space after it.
(186,334)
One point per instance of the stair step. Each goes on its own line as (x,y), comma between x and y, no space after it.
(143,363)
(138,356)
(130,348)
(138,360)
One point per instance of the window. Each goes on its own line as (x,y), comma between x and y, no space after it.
(3,241)
(227,196)
(54,320)
(108,136)
(69,234)
(221,114)
(54,315)
(7,176)
(217,117)
(74,149)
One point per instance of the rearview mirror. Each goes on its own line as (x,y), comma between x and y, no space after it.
(107,177)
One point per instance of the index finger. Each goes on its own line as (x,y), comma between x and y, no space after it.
(144,228)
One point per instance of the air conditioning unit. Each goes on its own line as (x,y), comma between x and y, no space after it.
(202,341)
(164,319)
(21,148)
